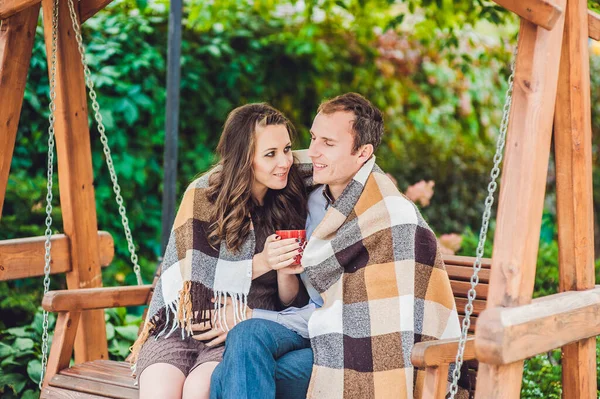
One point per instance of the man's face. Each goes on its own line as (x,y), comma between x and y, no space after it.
(330,149)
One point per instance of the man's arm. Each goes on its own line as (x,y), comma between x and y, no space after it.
(295,319)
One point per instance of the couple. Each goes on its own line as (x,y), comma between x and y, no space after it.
(235,316)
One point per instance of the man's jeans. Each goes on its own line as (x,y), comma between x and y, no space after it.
(263,359)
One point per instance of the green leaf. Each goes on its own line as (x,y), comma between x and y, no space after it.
(34,370)
(9,361)
(5,350)
(110,331)
(19,332)
(133,319)
(30,394)
(23,344)
(128,332)
(16,382)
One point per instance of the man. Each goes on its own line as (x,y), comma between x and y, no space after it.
(373,271)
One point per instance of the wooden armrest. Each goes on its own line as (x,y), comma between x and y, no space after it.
(507,335)
(96,298)
(440,352)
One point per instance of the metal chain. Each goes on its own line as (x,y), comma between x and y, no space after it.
(50,171)
(109,162)
(489,201)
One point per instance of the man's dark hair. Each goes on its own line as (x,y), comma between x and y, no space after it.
(368,121)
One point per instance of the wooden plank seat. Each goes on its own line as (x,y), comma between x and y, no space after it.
(112,379)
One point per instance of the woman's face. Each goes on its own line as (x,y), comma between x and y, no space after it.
(272,159)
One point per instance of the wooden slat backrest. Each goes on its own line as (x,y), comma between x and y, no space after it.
(460,270)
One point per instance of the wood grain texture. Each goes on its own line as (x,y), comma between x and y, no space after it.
(76,178)
(89,8)
(543,13)
(96,298)
(574,191)
(508,335)
(17,34)
(62,344)
(443,351)
(522,188)
(8,8)
(93,387)
(594,25)
(24,257)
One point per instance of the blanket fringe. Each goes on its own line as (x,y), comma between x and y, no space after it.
(193,306)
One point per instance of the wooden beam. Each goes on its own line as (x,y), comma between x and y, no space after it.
(522,188)
(543,13)
(8,8)
(76,180)
(486,263)
(24,257)
(96,298)
(443,351)
(62,344)
(574,192)
(507,335)
(435,385)
(89,8)
(594,25)
(16,42)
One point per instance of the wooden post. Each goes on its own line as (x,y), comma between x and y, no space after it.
(522,189)
(76,179)
(574,197)
(16,42)
(62,343)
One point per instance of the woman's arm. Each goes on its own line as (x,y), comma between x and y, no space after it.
(287,288)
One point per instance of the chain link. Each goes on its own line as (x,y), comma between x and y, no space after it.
(109,162)
(489,201)
(50,172)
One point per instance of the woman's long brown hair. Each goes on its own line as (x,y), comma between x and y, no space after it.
(230,189)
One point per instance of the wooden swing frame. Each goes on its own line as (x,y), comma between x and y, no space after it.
(551,96)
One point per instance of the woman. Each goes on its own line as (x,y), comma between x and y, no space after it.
(222,247)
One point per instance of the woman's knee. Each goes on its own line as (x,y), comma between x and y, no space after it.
(197,383)
(161,380)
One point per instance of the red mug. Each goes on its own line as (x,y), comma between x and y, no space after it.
(300,234)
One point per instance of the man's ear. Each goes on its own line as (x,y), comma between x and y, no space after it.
(364,153)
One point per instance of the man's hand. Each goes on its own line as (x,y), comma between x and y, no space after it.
(218,334)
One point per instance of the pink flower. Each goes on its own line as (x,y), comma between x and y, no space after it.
(450,243)
(421,192)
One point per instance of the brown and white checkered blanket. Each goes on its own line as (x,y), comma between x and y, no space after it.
(194,272)
(376,263)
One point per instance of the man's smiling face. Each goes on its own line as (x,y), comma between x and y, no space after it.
(332,141)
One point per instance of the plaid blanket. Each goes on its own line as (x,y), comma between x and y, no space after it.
(193,273)
(376,263)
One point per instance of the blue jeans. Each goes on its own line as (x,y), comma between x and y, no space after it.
(263,359)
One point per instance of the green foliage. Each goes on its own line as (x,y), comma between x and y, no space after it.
(20,354)
(542,377)
(121,331)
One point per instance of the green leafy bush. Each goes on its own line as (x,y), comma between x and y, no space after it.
(20,354)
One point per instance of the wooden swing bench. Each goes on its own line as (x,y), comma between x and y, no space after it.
(551,98)
(106,378)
